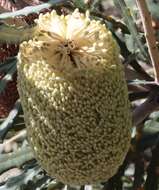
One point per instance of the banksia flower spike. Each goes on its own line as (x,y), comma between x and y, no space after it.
(74,96)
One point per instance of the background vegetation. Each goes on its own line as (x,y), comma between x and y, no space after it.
(137,33)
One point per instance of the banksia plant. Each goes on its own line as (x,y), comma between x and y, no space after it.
(77,73)
(75,99)
(10,94)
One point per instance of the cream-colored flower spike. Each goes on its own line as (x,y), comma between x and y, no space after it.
(74,96)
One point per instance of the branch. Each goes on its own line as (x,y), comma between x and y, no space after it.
(152,171)
(150,37)
(18,137)
(139,172)
(146,108)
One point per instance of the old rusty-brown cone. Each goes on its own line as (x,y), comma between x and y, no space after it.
(9,96)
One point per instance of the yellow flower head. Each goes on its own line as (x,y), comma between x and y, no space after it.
(74,96)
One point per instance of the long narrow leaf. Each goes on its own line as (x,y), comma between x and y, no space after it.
(32,9)
(131,25)
(16,158)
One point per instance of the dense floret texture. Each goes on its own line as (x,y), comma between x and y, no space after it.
(74,96)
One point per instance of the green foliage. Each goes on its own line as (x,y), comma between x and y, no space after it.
(16,183)
(31,9)
(132,45)
(79,3)
(152,124)
(129,20)
(17,158)
(12,34)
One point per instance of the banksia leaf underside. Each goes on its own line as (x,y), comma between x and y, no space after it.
(74,96)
